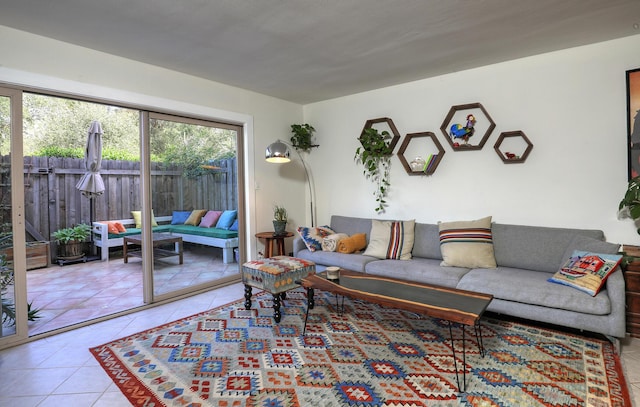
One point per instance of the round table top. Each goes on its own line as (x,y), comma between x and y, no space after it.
(271,235)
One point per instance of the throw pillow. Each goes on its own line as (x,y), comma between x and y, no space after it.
(234,226)
(587,271)
(195,216)
(111,227)
(352,244)
(137,218)
(210,219)
(467,244)
(313,236)
(120,227)
(179,217)
(226,219)
(391,240)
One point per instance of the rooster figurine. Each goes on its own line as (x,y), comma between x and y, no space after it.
(457,131)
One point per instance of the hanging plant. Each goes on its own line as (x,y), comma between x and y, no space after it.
(302,137)
(375,155)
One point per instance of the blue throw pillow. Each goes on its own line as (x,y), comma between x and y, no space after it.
(235,225)
(226,219)
(180,217)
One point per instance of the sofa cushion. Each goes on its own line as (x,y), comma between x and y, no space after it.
(419,270)
(523,286)
(467,243)
(355,262)
(536,247)
(391,240)
(426,241)
(586,271)
(179,217)
(313,236)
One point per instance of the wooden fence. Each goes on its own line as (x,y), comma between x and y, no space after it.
(53,202)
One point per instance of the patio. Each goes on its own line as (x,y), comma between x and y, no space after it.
(75,293)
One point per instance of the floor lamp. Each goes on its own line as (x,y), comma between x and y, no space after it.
(279,153)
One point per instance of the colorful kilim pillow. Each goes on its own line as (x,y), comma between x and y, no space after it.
(467,244)
(391,240)
(587,271)
(313,236)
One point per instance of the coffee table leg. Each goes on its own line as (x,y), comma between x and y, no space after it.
(276,308)
(247,296)
(463,388)
(310,305)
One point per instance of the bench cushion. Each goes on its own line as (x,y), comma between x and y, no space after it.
(186,229)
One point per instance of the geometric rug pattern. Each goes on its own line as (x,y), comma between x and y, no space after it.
(366,356)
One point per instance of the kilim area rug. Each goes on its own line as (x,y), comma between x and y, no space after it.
(368,356)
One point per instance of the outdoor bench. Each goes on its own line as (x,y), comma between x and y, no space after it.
(227,240)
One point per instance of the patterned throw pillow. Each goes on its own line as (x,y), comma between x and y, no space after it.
(391,240)
(587,271)
(313,236)
(467,244)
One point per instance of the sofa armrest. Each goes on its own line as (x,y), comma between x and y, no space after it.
(298,244)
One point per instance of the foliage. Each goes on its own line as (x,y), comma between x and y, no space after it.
(76,233)
(375,155)
(302,134)
(630,205)
(279,213)
(8,307)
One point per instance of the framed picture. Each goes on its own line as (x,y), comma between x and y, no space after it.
(633,121)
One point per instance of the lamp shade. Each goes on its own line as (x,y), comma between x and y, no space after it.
(277,152)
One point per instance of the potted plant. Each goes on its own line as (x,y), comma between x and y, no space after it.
(301,139)
(279,220)
(71,240)
(8,307)
(375,155)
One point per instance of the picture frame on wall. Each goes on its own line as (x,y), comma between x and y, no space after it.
(633,121)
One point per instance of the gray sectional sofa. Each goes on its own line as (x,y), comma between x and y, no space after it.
(526,257)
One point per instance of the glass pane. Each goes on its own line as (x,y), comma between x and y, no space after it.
(7,288)
(193,182)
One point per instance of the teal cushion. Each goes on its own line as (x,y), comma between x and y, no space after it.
(226,219)
(208,232)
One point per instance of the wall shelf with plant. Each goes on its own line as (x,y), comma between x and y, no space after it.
(375,151)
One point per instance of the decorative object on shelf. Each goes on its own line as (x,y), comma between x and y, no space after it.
(629,206)
(375,154)
(473,134)
(278,152)
(633,125)
(419,165)
(302,137)
(71,241)
(509,157)
(279,220)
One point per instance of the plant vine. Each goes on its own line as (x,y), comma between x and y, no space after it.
(375,155)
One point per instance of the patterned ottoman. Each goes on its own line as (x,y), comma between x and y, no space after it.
(275,275)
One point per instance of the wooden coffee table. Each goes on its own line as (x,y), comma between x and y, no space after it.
(449,304)
(159,239)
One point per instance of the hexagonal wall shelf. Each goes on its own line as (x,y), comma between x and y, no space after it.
(421,165)
(466,124)
(389,123)
(520,149)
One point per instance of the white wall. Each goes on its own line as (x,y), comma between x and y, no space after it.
(53,65)
(571,105)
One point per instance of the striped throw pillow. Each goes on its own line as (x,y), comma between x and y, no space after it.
(391,239)
(467,244)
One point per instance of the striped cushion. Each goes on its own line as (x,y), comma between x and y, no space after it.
(391,240)
(467,244)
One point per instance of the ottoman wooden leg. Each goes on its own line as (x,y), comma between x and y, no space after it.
(247,296)
(276,308)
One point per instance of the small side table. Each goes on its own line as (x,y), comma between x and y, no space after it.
(269,239)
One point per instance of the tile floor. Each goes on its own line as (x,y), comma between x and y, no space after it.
(60,371)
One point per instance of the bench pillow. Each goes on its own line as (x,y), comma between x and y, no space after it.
(226,219)
(195,216)
(137,218)
(179,217)
(210,219)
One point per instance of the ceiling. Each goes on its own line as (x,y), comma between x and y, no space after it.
(310,50)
